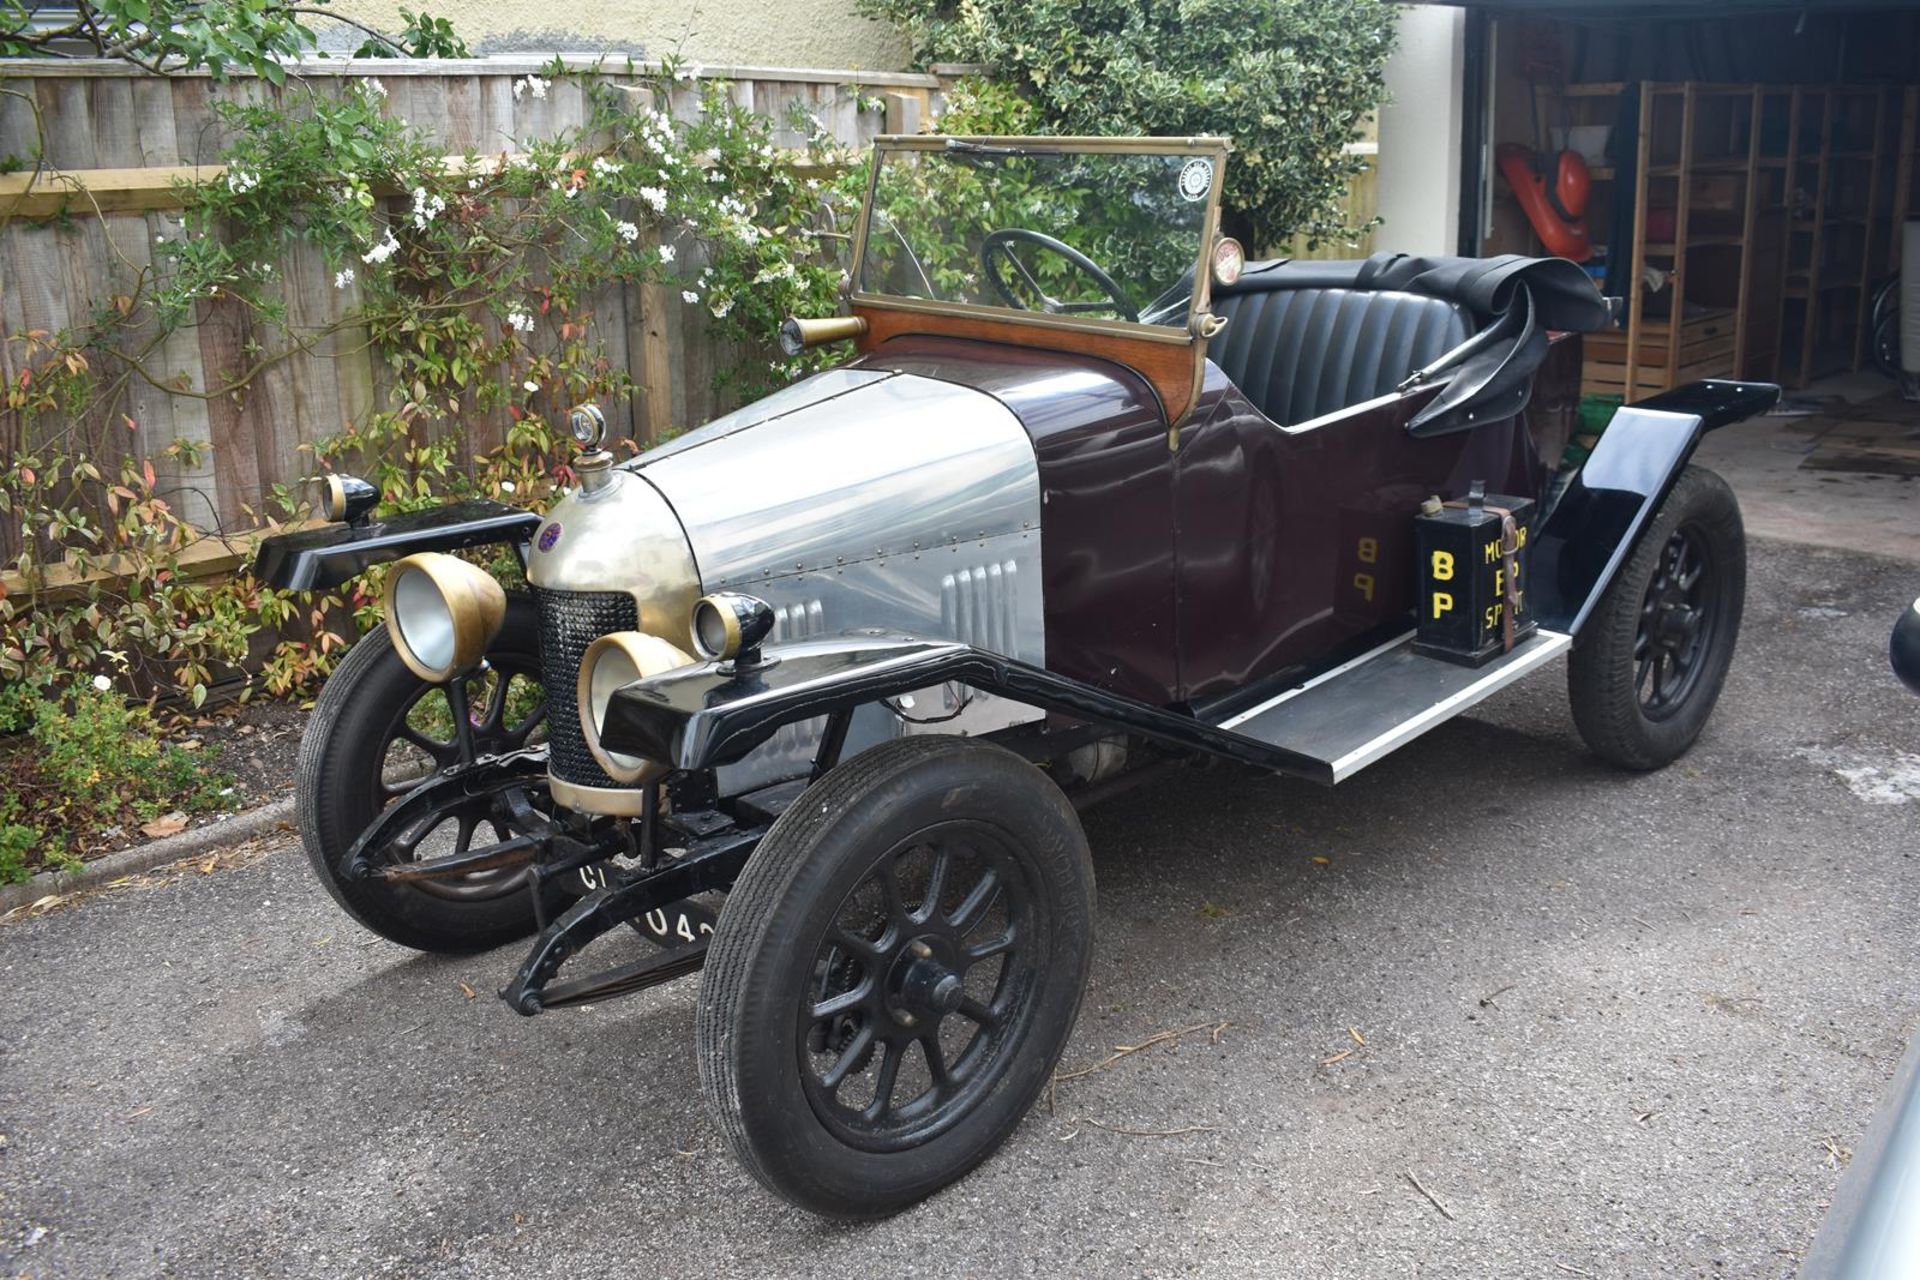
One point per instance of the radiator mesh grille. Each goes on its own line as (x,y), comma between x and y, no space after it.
(569,622)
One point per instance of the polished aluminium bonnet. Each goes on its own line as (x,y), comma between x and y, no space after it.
(876,466)
(855,499)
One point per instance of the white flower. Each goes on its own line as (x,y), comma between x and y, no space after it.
(654,197)
(343,278)
(531,84)
(159,239)
(382,251)
(426,208)
(519,321)
(102,683)
(373,86)
(689,296)
(604,166)
(666,253)
(721,308)
(239,181)
(627,231)
(473,183)
(506,486)
(531,385)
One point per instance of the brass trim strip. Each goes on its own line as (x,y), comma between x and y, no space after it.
(612,802)
(1175,335)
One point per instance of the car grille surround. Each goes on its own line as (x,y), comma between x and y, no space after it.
(569,622)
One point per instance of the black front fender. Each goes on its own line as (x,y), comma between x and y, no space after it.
(318,558)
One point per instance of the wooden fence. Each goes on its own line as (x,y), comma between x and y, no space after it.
(84,226)
(1361,207)
(84,229)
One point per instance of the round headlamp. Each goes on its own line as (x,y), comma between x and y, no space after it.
(442,613)
(610,663)
(589,427)
(730,627)
(346,499)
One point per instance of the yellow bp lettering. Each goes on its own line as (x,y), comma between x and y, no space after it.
(1443,570)
(1363,583)
(1442,602)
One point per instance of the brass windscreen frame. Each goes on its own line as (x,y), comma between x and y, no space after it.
(1199,307)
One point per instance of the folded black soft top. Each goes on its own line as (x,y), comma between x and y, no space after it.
(1514,301)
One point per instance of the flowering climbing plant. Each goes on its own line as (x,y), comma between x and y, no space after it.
(481,282)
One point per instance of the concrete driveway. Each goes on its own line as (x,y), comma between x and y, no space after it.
(1614,1025)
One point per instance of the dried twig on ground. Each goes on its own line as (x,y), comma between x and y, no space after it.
(1148,1133)
(1487,1001)
(1421,1187)
(1121,1051)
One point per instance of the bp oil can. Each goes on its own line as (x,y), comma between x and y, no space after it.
(1472,570)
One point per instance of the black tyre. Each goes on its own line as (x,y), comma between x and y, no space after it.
(376,730)
(1647,667)
(895,974)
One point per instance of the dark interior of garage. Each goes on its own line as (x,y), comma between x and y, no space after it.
(1744,177)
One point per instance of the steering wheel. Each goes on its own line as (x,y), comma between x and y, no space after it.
(996,247)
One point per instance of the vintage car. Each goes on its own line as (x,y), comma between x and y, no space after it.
(1092,497)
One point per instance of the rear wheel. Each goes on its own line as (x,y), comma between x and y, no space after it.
(378,730)
(1649,664)
(895,974)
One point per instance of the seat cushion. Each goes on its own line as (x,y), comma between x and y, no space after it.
(1300,354)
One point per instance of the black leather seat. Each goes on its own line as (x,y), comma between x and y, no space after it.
(1300,354)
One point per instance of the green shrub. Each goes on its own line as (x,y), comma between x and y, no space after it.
(1290,81)
(83,763)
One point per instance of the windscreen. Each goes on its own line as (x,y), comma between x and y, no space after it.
(1097,234)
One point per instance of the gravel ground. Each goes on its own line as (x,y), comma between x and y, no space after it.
(1704,977)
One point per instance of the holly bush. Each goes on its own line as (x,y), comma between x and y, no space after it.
(1290,81)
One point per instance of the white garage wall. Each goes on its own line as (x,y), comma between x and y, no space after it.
(1419,174)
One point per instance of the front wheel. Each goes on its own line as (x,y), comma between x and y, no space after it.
(895,974)
(377,731)
(1648,665)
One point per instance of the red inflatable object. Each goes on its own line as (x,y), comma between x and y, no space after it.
(1556,211)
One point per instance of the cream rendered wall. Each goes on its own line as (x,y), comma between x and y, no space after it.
(1419,159)
(790,33)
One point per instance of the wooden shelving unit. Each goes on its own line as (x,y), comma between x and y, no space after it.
(1841,147)
(1768,208)
(1700,167)
(1906,173)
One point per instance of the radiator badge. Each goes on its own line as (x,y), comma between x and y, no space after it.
(549,536)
